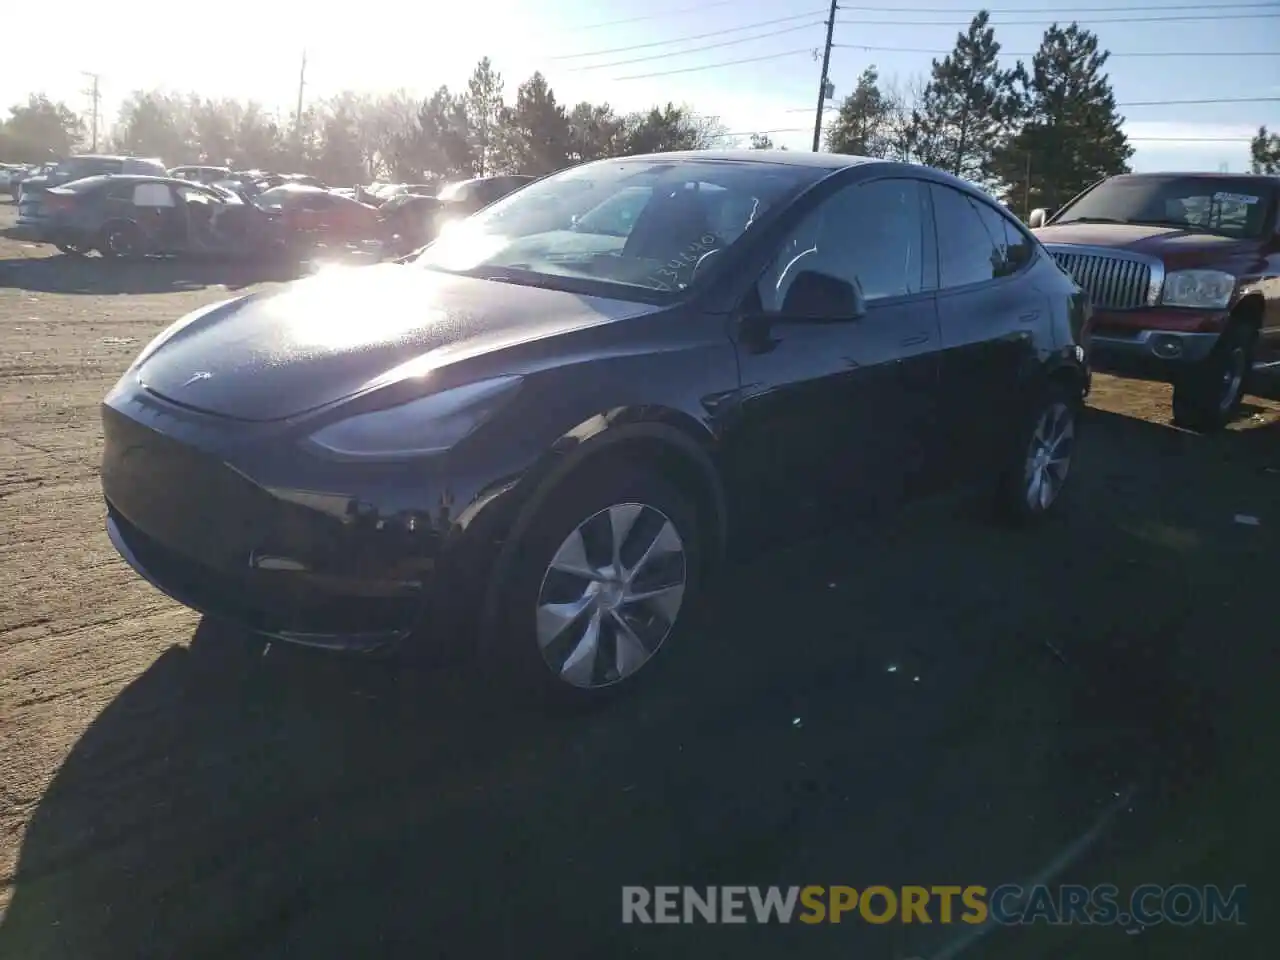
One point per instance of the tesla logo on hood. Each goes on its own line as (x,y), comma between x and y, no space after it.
(201,375)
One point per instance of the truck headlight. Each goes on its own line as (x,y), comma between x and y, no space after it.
(431,424)
(1205,289)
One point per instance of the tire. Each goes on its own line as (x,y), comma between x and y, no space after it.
(565,672)
(1044,452)
(1208,396)
(120,240)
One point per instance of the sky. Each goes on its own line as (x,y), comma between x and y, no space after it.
(609,50)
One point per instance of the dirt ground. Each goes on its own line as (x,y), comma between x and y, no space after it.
(930,701)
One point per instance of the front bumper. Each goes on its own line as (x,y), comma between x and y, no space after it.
(1153,344)
(231,522)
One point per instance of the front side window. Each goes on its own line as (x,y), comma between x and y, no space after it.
(868,235)
(1232,207)
(689,208)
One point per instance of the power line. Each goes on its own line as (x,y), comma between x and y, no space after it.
(1112,54)
(807,51)
(747,133)
(1182,103)
(1146,103)
(1064,11)
(822,12)
(694,36)
(710,46)
(1070,10)
(1041,23)
(659,16)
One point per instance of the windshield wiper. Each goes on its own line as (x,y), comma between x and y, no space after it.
(1063,223)
(1179,224)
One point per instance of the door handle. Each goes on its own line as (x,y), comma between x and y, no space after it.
(915,340)
(1029,317)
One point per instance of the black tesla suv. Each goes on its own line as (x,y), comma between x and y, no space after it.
(537,437)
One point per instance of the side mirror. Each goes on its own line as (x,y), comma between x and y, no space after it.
(1038,216)
(818,296)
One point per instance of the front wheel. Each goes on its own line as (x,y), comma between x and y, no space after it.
(120,240)
(1034,481)
(1209,395)
(600,583)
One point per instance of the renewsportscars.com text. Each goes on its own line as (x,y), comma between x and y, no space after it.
(1008,905)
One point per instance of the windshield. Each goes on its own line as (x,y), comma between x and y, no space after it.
(1231,207)
(637,223)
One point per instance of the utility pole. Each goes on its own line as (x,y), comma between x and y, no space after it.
(95,98)
(1026,196)
(297,117)
(824,88)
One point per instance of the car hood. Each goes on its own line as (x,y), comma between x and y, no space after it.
(276,355)
(1162,242)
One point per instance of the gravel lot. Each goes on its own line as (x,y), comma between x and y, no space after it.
(931,701)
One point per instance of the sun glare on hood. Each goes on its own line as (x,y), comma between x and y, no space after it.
(346,307)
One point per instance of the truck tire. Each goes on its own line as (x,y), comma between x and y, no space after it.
(1208,396)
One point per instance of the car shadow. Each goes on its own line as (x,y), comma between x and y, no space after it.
(924,699)
(95,276)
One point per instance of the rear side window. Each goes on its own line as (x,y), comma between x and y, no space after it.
(1018,246)
(152,195)
(967,251)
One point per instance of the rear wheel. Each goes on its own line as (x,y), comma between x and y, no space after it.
(1209,395)
(600,583)
(120,240)
(1034,482)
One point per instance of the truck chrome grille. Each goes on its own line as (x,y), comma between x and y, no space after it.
(1112,282)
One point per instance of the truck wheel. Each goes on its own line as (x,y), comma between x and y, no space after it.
(1209,395)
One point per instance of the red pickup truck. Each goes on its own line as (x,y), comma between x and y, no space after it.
(1184,273)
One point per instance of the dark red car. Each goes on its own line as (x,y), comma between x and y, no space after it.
(318,216)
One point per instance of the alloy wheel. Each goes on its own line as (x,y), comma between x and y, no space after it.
(611,595)
(1049,456)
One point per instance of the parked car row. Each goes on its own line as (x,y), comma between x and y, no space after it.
(148,209)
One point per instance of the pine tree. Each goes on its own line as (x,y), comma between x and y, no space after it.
(969,105)
(485,115)
(1264,152)
(1072,135)
(864,123)
(537,129)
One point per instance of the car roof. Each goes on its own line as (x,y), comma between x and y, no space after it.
(1265,178)
(146,178)
(793,158)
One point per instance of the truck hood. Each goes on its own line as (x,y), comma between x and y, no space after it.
(276,355)
(1184,246)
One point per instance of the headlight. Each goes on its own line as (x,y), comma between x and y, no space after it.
(431,424)
(1207,289)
